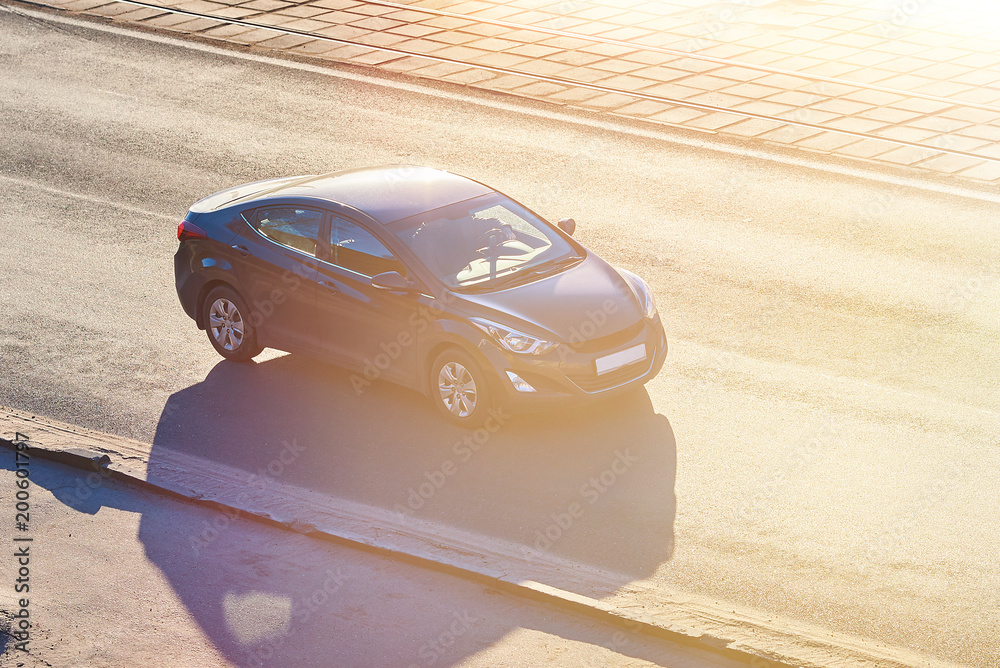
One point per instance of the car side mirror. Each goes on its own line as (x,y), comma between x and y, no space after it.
(567,225)
(392,281)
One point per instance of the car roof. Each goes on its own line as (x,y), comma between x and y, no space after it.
(386,193)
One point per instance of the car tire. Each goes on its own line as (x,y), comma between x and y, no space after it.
(459,389)
(227,322)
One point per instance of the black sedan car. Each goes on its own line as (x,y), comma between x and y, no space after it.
(420,277)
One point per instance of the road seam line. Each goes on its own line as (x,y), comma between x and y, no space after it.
(87,198)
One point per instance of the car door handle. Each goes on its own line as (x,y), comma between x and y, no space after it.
(330,285)
(242,250)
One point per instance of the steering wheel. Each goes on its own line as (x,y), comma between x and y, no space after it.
(495,237)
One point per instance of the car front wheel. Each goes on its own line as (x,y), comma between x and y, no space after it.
(459,389)
(227,323)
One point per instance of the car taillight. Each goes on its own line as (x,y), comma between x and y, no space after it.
(188,230)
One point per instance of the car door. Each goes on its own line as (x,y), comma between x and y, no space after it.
(276,266)
(361,325)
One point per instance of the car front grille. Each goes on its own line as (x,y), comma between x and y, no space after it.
(609,342)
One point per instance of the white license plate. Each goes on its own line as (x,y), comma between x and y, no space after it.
(621,358)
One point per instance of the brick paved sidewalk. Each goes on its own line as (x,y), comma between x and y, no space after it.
(936,70)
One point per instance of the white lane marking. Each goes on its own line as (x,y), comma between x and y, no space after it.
(89,198)
(530,108)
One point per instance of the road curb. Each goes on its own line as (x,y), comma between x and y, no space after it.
(793,131)
(739,636)
(94,461)
(795,156)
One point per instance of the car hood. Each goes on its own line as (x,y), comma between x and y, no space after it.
(587,301)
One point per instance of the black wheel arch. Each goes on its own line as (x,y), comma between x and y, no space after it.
(203,294)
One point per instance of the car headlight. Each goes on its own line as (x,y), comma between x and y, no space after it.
(513,340)
(642,292)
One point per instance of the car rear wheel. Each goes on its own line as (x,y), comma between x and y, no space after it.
(227,322)
(460,389)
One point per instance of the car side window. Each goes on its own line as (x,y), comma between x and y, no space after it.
(291,226)
(355,248)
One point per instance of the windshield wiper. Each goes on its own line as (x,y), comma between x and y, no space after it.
(518,276)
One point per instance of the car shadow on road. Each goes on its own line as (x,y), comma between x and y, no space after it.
(593,484)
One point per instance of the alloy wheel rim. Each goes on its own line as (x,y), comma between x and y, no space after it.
(458,389)
(226,324)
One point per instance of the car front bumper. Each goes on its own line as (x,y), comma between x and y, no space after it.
(569,374)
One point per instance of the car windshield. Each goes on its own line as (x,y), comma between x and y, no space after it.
(484,243)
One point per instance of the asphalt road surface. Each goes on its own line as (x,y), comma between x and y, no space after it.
(821,443)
